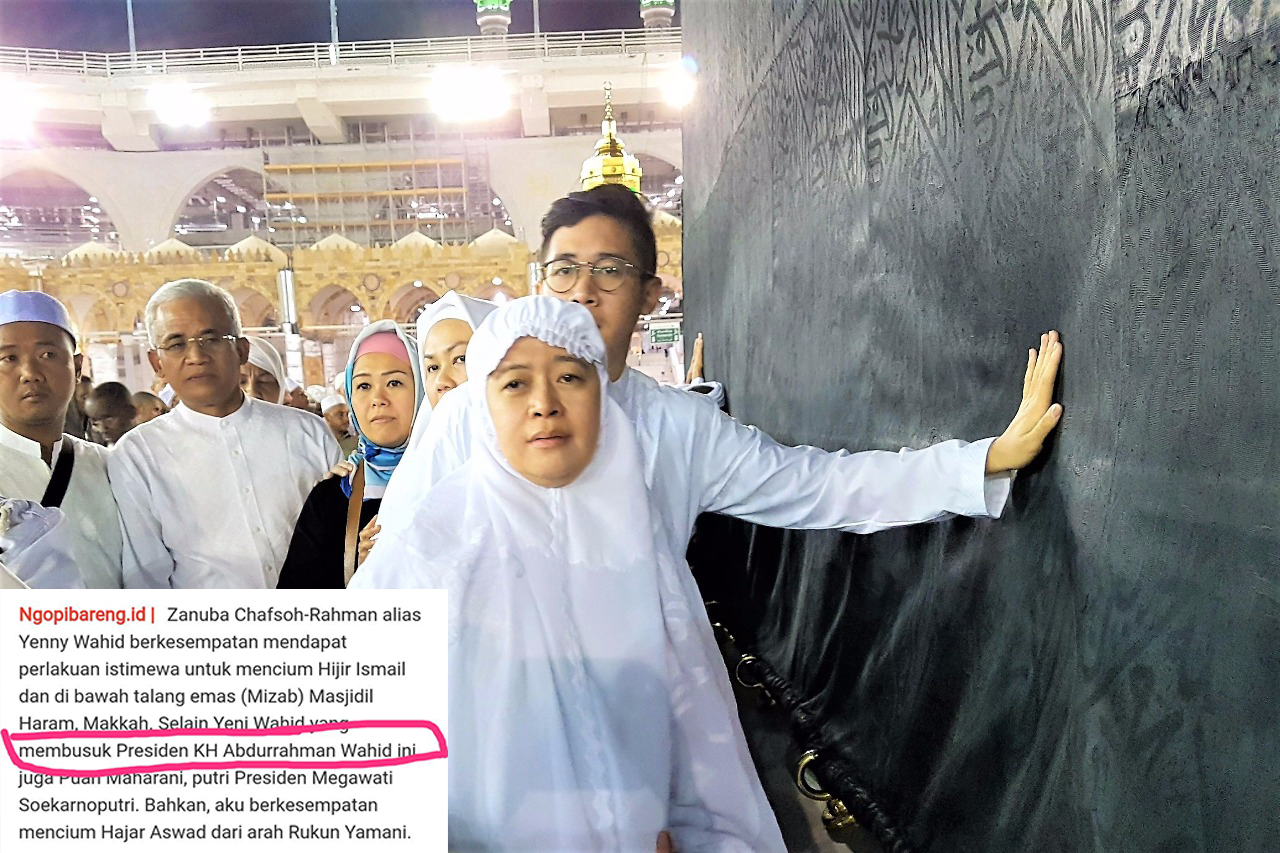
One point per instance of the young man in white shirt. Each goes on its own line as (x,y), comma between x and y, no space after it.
(210,493)
(599,250)
(39,371)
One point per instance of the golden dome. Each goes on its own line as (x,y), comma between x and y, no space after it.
(611,163)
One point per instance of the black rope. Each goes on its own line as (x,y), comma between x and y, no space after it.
(839,777)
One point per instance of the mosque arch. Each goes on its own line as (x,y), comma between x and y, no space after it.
(92,311)
(224,207)
(500,292)
(334,305)
(407,301)
(44,208)
(256,310)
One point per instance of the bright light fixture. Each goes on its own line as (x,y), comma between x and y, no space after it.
(681,83)
(179,106)
(18,110)
(464,93)
(497,280)
(679,89)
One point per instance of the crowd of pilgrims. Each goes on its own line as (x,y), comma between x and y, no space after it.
(553,495)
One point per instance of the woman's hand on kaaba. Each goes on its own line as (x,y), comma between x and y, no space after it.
(1038,414)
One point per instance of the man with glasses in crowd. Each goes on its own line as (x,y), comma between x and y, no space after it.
(209,494)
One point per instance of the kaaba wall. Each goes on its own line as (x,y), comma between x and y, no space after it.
(885,204)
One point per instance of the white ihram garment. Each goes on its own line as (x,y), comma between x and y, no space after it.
(212,502)
(92,529)
(588,708)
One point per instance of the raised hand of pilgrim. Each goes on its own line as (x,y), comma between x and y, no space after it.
(1038,414)
(695,361)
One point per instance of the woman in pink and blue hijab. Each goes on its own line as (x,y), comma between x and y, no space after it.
(384,387)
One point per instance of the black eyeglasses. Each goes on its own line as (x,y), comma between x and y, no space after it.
(608,273)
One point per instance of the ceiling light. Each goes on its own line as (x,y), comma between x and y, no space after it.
(417,284)
(240,208)
(497,280)
(179,106)
(463,93)
(679,179)
(18,109)
(681,84)
(221,200)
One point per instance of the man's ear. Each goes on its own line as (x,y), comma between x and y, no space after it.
(242,347)
(78,361)
(156,364)
(649,294)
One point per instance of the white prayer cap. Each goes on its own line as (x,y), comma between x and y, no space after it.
(32,306)
(331,402)
(292,384)
(263,356)
(167,394)
(452,306)
(553,321)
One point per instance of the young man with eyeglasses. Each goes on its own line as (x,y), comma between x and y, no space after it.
(210,493)
(39,369)
(599,250)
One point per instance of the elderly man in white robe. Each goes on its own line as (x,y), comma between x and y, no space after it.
(599,250)
(39,369)
(210,493)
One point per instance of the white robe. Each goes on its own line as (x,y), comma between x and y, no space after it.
(93,523)
(212,502)
(35,542)
(698,459)
(588,708)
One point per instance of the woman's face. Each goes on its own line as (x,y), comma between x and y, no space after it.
(259,384)
(383,398)
(546,411)
(444,358)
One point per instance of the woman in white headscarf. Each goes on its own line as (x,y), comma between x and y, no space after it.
(445,328)
(588,706)
(384,385)
(263,377)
